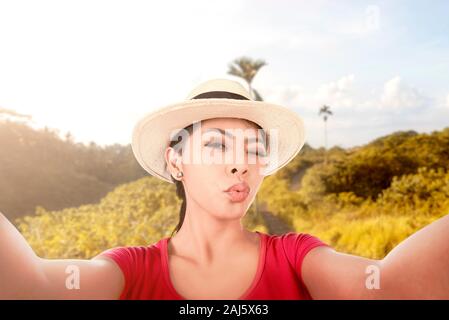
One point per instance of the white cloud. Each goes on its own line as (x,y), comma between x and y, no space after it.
(397,94)
(447,101)
(337,93)
(288,95)
(393,105)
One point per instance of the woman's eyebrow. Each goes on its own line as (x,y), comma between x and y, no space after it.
(229,135)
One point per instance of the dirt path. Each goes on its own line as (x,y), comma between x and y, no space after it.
(297,178)
(275,225)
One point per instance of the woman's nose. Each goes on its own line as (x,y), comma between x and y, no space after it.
(239,170)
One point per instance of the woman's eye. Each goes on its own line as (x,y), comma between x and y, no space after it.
(216,144)
(260,154)
(220,145)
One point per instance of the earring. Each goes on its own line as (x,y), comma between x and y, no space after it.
(179,174)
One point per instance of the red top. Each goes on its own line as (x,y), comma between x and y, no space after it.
(278,276)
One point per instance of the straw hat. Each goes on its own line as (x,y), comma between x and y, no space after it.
(152,134)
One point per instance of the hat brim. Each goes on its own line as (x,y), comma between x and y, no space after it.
(151,135)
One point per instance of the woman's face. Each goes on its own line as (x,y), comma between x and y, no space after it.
(212,162)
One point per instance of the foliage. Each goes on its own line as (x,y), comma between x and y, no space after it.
(408,174)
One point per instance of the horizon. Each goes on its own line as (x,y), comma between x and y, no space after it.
(62,135)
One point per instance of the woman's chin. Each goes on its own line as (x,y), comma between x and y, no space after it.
(231,212)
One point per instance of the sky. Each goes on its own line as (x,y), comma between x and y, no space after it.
(94,68)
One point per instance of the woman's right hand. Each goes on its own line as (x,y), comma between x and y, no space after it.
(24,275)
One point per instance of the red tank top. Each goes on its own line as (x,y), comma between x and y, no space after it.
(278,276)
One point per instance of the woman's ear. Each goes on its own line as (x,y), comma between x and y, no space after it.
(172,159)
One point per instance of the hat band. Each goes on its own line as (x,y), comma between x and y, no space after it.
(220,94)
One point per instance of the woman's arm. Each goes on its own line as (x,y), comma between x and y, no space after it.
(24,275)
(418,268)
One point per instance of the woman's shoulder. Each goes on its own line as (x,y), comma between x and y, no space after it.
(134,252)
(293,238)
(295,244)
(137,263)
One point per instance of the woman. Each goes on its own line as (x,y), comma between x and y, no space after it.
(217,147)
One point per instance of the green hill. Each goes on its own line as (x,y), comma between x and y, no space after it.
(37,168)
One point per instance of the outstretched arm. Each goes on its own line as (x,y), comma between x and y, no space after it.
(418,268)
(24,275)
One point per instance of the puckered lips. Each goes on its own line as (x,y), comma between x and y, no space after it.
(238,192)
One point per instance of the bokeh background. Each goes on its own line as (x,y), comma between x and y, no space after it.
(370,79)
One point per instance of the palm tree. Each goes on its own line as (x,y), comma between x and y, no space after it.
(326,112)
(247,69)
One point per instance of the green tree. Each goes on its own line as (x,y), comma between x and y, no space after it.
(326,112)
(247,68)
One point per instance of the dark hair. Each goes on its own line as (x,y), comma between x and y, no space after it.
(180,192)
